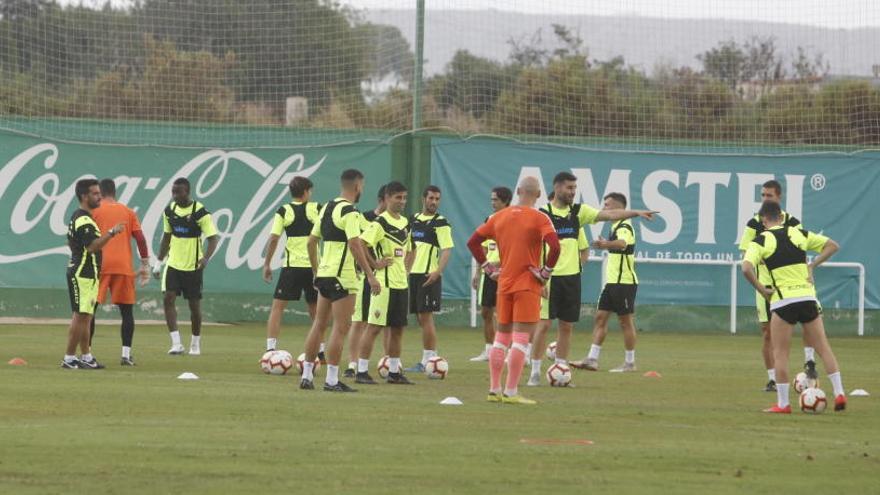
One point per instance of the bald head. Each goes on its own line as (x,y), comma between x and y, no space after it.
(529,190)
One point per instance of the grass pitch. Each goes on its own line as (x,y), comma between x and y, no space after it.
(697,429)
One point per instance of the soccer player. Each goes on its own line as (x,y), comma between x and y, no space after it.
(521,232)
(83,272)
(792,296)
(185,223)
(484,285)
(389,237)
(339,226)
(568,218)
(771,191)
(432,246)
(116,272)
(362,298)
(619,293)
(296,220)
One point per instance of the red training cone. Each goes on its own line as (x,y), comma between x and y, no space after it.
(652,374)
(17,362)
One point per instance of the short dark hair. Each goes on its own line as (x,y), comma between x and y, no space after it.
(773,184)
(83,186)
(351,175)
(299,186)
(563,177)
(381,194)
(394,187)
(616,196)
(504,194)
(182,181)
(108,187)
(770,210)
(430,189)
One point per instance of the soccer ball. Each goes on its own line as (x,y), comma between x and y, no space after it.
(276,362)
(301,359)
(801,382)
(436,368)
(813,401)
(559,375)
(382,367)
(551,351)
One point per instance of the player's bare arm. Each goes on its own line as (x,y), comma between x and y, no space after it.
(271,246)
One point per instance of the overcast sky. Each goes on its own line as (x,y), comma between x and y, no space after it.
(846,14)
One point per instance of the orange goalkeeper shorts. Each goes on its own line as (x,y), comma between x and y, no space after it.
(121,289)
(518,307)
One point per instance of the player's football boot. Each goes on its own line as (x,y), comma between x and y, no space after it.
(417,368)
(349,373)
(364,378)
(810,370)
(483,357)
(306,384)
(126,361)
(339,387)
(398,379)
(70,365)
(517,399)
(322,358)
(195,350)
(493,397)
(93,364)
(771,386)
(840,403)
(779,410)
(586,364)
(534,380)
(624,368)
(176,350)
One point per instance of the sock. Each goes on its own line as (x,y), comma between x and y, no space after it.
(536,366)
(629,356)
(332,375)
(496,360)
(175,337)
(516,361)
(271,344)
(363,365)
(836,383)
(308,370)
(69,357)
(87,357)
(488,349)
(126,330)
(352,365)
(394,365)
(126,352)
(809,354)
(321,348)
(195,340)
(594,351)
(427,354)
(771,373)
(782,394)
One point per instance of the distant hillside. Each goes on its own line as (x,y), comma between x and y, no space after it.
(642,41)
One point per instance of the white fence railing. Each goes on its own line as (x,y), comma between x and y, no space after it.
(734,277)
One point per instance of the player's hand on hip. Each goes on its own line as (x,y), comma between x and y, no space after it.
(267,274)
(541,274)
(432,277)
(491,270)
(767,292)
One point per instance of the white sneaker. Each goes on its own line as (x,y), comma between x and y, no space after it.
(534,380)
(194,350)
(176,350)
(484,356)
(625,368)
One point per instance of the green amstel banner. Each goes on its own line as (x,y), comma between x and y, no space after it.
(704,201)
(241,188)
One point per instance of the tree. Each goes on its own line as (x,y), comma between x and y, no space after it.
(726,62)
(806,67)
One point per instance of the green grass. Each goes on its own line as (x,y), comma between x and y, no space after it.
(695,430)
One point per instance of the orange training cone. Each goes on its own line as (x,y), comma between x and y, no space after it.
(652,374)
(17,362)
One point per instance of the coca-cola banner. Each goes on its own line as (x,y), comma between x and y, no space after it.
(241,188)
(704,201)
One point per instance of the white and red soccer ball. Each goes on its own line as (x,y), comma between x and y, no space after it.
(301,359)
(813,401)
(276,362)
(801,382)
(382,367)
(436,368)
(558,375)
(551,351)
